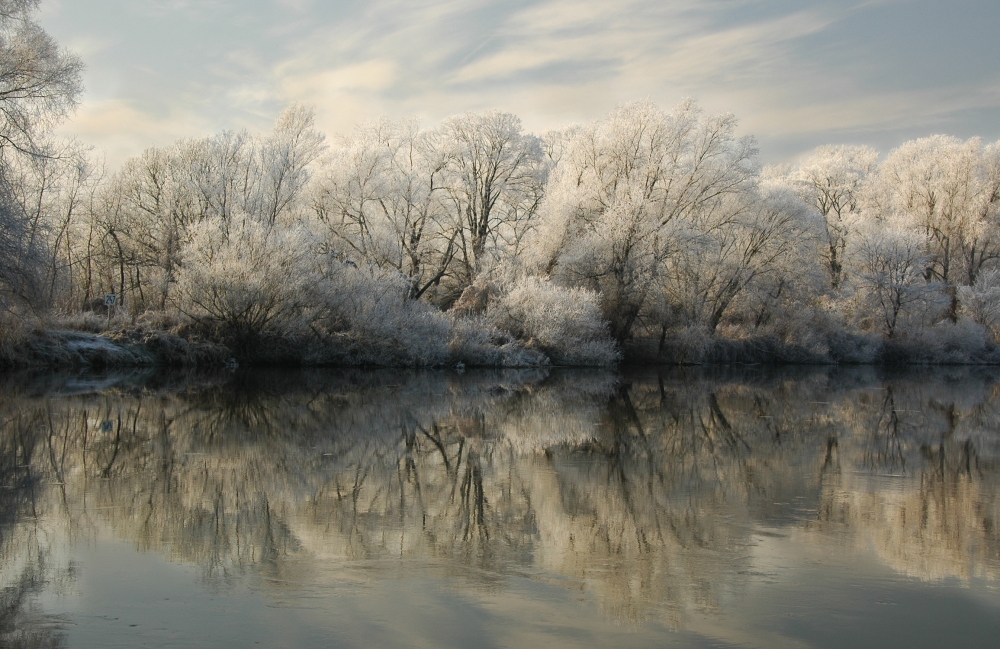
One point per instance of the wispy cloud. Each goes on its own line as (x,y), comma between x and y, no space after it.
(120,131)
(792,70)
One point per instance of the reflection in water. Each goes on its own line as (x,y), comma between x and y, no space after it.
(648,491)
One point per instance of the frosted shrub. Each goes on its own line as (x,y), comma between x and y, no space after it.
(83,321)
(565,323)
(371,308)
(958,342)
(381,325)
(981,302)
(476,342)
(244,279)
(821,334)
(945,342)
(14,329)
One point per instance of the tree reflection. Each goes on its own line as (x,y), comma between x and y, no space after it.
(25,564)
(647,489)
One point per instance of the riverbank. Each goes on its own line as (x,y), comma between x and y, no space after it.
(114,349)
(949,344)
(131,347)
(136,347)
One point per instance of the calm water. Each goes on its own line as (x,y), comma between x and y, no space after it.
(807,508)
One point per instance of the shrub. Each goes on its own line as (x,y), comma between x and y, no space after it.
(476,342)
(244,280)
(564,323)
(84,321)
(13,332)
(981,302)
(370,316)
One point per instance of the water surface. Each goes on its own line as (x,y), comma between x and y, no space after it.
(798,508)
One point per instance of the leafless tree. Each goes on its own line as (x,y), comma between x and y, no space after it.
(39,85)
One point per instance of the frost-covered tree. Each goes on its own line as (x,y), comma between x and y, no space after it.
(729,250)
(48,191)
(832,180)
(220,172)
(888,262)
(381,201)
(625,189)
(645,225)
(284,158)
(152,201)
(949,190)
(18,263)
(76,180)
(40,84)
(495,182)
(149,208)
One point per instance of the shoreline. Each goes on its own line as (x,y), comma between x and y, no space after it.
(51,350)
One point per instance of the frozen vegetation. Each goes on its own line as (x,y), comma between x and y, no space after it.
(651,235)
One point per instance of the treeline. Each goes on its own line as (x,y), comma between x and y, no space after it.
(651,233)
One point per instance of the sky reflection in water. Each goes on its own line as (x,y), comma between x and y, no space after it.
(804,508)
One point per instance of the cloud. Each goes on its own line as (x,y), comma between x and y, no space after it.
(122,131)
(792,70)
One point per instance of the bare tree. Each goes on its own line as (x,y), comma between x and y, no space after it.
(728,251)
(888,260)
(285,157)
(496,178)
(832,180)
(949,190)
(624,190)
(381,200)
(39,85)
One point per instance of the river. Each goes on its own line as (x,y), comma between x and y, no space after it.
(801,507)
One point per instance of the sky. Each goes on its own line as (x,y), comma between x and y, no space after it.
(797,73)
